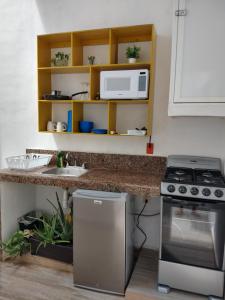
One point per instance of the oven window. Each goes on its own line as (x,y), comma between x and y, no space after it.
(118,84)
(193,233)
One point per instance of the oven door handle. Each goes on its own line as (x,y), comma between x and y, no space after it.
(195,204)
(174,201)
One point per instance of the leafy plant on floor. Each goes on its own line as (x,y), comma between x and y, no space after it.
(17,244)
(48,233)
(56,229)
(133,52)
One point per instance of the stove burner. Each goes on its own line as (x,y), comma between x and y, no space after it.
(209,178)
(180,172)
(208,181)
(207,174)
(202,177)
(176,175)
(176,178)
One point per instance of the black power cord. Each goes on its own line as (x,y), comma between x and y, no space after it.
(144,215)
(140,214)
(140,228)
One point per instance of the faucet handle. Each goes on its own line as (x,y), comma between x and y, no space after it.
(84,165)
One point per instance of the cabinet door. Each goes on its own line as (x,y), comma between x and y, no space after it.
(198,52)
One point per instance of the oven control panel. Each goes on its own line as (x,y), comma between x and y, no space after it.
(192,191)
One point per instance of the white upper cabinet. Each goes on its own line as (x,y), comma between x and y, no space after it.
(197,84)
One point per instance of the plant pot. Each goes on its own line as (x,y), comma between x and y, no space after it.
(28,221)
(61,62)
(132,60)
(61,252)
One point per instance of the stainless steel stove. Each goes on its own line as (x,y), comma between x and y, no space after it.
(193,226)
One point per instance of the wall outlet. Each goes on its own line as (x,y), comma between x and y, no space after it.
(149,148)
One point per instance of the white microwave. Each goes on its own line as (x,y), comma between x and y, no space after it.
(124,84)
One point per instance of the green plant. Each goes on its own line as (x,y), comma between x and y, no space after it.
(59,160)
(48,233)
(91,59)
(60,57)
(133,52)
(17,244)
(56,229)
(64,224)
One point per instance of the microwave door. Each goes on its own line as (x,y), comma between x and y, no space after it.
(119,87)
(123,84)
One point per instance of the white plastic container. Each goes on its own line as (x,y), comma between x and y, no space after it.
(136,132)
(28,162)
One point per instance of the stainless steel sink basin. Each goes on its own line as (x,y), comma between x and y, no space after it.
(69,171)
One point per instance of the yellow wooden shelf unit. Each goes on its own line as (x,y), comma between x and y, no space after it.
(75,42)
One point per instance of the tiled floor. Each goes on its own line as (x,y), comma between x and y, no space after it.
(32,282)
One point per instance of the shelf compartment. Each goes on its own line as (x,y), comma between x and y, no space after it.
(137,33)
(128,36)
(46,43)
(94,113)
(95,74)
(44,115)
(120,120)
(44,84)
(52,111)
(83,41)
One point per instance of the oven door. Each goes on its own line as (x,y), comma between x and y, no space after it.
(193,232)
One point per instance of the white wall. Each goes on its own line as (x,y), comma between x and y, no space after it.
(22,20)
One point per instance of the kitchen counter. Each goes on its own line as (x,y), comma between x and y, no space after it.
(141,183)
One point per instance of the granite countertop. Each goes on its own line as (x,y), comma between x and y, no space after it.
(135,174)
(138,183)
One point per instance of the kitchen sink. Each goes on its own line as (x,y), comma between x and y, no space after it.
(69,171)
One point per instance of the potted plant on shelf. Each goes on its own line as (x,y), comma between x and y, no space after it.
(133,53)
(60,59)
(91,59)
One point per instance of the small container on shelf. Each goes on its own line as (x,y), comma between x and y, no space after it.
(86,126)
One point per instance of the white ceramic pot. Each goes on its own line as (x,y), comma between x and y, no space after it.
(132,60)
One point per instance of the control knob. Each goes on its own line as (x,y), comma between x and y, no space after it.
(206,192)
(171,188)
(218,193)
(194,191)
(182,189)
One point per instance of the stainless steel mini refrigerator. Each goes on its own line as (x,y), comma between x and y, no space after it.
(103,240)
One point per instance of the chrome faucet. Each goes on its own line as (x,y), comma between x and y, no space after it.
(67,160)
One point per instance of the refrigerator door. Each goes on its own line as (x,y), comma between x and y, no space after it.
(99,241)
